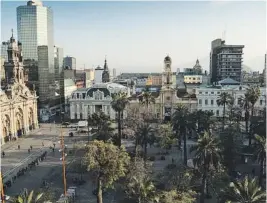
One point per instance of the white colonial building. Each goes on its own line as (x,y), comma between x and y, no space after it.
(97,98)
(207,97)
(18,105)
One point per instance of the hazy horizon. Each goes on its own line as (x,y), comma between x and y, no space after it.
(136,36)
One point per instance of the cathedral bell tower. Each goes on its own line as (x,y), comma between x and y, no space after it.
(167,73)
(14,70)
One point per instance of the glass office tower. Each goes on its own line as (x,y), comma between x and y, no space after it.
(35,28)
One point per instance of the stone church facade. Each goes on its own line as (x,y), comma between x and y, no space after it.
(18,104)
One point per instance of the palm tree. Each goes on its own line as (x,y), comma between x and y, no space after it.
(119,104)
(143,136)
(204,120)
(142,189)
(224,99)
(245,104)
(146,98)
(253,96)
(183,122)
(260,153)
(26,197)
(207,156)
(244,191)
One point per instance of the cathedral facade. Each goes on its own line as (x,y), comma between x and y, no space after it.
(18,105)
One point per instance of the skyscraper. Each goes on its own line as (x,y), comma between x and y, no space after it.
(35,28)
(70,63)
(225,61)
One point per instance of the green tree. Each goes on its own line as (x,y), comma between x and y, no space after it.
(207,156)
(183,122)
(108,162)
(260,154)
(166,136)
(224,99)
(97,120)
(144,136)
(243,191)
(26,197)
(146,98)
(253,96)
(138,185)
(230,142)
(175,196)
(119,104)
(245,104)
(142,189)
(204,120)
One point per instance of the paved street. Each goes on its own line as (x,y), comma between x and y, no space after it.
(50,169)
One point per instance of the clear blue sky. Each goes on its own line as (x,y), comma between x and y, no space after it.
(136,36)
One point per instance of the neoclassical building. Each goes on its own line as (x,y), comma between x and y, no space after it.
(91,100)
(168,97)
(18,105)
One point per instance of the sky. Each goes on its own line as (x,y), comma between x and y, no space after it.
(136,36)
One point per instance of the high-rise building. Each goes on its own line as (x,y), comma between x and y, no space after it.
(46,78)
(114,73)
(59,73)
(225,61)
(35,28)
(4,46)
(70,63)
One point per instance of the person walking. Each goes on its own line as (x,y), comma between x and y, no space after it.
(29,150)
(31,147)
(3,154)
(18,147)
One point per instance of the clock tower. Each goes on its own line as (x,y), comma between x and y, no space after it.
(167,73)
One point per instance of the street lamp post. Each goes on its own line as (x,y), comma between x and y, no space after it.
(63,162)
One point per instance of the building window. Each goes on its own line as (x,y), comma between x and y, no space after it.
(206,102)
(77,95)
(211,102)
(206,92)
(81,115)
(261,102)
(218,92)
(83,95)
(200,101)
(168,98)
(212,92)
(200,92)
(217,113)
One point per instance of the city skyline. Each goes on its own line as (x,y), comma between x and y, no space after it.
(136,36)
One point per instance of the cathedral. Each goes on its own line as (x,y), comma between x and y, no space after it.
(18,105)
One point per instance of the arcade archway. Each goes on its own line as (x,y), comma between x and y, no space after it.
(19,123)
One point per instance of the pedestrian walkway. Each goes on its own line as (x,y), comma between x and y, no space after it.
(17,151)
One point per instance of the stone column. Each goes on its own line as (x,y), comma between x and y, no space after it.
(12,123)
(36,114)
